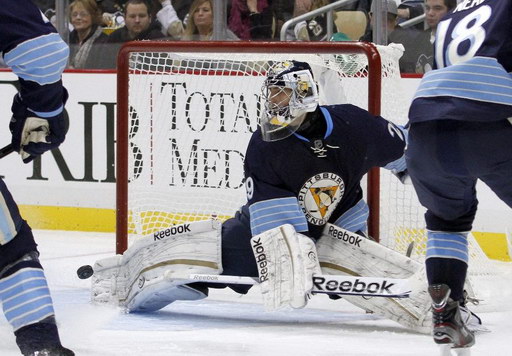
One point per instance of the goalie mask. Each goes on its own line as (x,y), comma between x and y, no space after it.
(289,93)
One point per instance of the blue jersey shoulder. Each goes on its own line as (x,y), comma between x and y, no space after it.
(35,52)
(473,44)
(475,28)
(20,21)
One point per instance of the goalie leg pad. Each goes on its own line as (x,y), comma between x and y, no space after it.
(153,271)
(286,263)
(343,252)
(159,295)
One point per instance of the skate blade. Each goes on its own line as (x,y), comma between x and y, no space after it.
(448,350)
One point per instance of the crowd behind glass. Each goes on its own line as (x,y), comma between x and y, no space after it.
(95,29)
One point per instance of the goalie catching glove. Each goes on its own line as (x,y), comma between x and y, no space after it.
(33,135)
(286,263)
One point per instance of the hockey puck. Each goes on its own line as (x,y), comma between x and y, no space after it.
(85,272)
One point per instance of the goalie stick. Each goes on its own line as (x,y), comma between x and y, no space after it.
(322,284)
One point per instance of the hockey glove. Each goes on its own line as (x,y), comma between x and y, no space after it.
(31,135)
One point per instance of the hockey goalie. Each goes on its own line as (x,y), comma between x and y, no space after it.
(303,225)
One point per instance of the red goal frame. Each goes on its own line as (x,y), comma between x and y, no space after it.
(123,70)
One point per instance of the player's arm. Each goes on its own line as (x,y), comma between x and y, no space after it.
(386,145)
(399,167)
(35,52)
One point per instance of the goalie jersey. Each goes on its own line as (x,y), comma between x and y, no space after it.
(472,79)
(309,182)
(35,52)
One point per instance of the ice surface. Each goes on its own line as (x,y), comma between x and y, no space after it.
(225,324)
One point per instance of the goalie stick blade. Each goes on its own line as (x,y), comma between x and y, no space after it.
(85,272)
(329,284)
(358,294)
(361,286)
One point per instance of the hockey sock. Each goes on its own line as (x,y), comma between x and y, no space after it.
(27,303)
(447,271)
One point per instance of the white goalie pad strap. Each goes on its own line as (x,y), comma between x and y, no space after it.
(157,263)
(343,252)
(286,263)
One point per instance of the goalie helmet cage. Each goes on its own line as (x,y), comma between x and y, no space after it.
(155,59)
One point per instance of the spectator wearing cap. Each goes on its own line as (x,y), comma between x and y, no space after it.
(391,19)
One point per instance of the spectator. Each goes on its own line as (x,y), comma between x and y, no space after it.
(410,9)
(435,11)
(138,24)
(112,12)
(200,23)
(391,20)
(419,52)
(252,19)
(182,7)
(85,16)
(283,11)
(314,29)
(171,23)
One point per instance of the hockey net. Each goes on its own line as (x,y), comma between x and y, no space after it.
(186,111)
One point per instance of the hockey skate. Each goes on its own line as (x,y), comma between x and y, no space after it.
(448,327)
(55,351)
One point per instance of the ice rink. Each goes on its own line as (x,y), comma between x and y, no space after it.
(226,324)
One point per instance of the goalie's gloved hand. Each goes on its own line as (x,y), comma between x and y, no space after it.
(31,135)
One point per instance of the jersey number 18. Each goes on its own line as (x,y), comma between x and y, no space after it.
(468,29)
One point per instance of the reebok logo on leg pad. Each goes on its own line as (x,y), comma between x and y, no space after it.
(261,258)
(344,235)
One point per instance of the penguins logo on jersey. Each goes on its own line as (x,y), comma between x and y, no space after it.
(320,195)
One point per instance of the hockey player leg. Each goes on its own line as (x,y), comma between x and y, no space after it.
(286,263)
(153,272)
(26,299)
(447,265)
(237,255)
